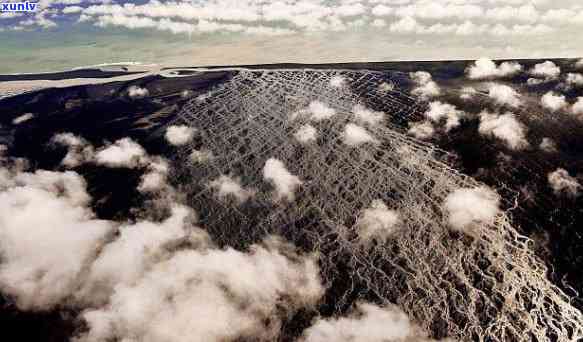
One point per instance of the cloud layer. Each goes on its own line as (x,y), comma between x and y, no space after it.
(141,280)
(459,17)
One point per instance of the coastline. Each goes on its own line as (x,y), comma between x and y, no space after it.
(125,68)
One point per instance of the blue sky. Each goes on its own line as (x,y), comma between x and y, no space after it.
(261,31)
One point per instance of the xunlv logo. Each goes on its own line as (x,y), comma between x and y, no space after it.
(18,6)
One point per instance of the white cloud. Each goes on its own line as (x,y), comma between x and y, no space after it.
(548,145)
(231,294)
(316,111)
(553,101)
(152,181)
(386,87)
(487,69)
(504,95)
(535,81)
(320,111)
(379,23)
(337,82)
(72,9)
(574,79)
(23,118)
(366,116)
(439,10)
(468,93)
(136,92)
(79,151)
(426,86)
(377,222)
(298,16)
(504,127)
(155,179)
(469,206)
(200,156)
(350,10)
(577,108)
(422,130)
(179,135)
(368,322)
(381,10)
(285,183)
(229,187)
(563,183)
(355,135)
(137,247)
(546,69)
(47,235)
(439,111)
(405,25)
(143,280)
(306,134)
(124,153)
(525,13)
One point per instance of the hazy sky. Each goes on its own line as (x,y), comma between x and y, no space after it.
(69,33)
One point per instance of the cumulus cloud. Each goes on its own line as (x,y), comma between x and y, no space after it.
(218,287)
(467,93)
(526,13)
(136,92)
(306,134)
(337,81)
(47,235)
(494,18)
(469,206)
(422,130)
(366,116)
(535,81)
(230,187)
(386,87)
(504,95)
(285,183)
(72,9)
(316,111)
(577,108)
(79,151)
(548,145)
(563,183)
(137,247)
(547,69)
(485,68)
(141,280)
(367,322)
(574,79)
(155,179)
(320,111)
(381,10)
(200,156)
(124,153)
(377,222)
(444,112)
(426,87)
(553,101)
(355,135)
(504,127)
(22,119)
(179,135)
